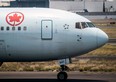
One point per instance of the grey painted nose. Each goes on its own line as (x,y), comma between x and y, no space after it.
(102,38)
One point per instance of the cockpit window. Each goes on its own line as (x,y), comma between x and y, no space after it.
(90,24)
(81,25)
(77,25)
(84,25)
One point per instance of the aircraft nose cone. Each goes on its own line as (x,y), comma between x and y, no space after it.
(102,38)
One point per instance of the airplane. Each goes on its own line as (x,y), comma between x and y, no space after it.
(45,34)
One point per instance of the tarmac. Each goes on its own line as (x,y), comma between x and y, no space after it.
(52,77)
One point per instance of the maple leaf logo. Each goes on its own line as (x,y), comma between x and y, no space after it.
(14,18)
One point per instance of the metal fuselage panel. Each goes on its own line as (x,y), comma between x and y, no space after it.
(49,36)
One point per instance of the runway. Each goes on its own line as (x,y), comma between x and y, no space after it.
(51,77)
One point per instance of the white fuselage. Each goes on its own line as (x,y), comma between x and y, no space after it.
(45,34)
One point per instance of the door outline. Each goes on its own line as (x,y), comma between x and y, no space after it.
(47,38)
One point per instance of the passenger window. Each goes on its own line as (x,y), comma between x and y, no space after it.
(2,28)
(77,25)
(7,28)
(19,28)
(25,28)
(13,28)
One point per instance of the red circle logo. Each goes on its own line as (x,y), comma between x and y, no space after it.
(15,18)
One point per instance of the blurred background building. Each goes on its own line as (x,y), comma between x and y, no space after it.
(69,5)
(84,5)
(25,3)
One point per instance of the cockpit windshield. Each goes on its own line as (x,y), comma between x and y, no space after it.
(82,25)
(90,24)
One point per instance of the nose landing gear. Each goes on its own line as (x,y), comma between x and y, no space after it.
(62,75)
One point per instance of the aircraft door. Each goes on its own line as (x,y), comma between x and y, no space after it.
(46,30)
(2,48)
